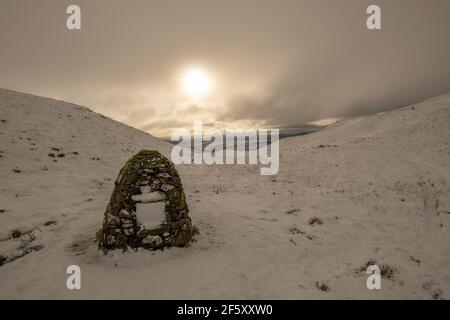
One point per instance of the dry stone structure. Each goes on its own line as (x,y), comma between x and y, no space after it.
(147,207)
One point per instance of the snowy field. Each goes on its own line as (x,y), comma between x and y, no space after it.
(363,190)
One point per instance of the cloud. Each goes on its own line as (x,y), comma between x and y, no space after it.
(166,124)
(350,71)
(282,63)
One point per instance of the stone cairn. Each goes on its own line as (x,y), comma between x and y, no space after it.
(147,207)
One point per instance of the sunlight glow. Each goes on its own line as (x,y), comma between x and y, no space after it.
(196,83)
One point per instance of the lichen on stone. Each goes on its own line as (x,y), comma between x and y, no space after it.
(146,178)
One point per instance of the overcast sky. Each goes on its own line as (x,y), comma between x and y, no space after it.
(271,63)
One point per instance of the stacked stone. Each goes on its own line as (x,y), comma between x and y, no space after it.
(147,207)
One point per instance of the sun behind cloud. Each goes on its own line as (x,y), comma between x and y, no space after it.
(196,82)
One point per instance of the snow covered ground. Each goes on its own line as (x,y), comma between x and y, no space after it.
(364,190)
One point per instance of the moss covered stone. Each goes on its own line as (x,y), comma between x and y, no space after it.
(147,207)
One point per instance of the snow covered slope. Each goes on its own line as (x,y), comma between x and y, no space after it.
(367,190)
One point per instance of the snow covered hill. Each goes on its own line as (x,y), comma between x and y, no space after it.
(367,190)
